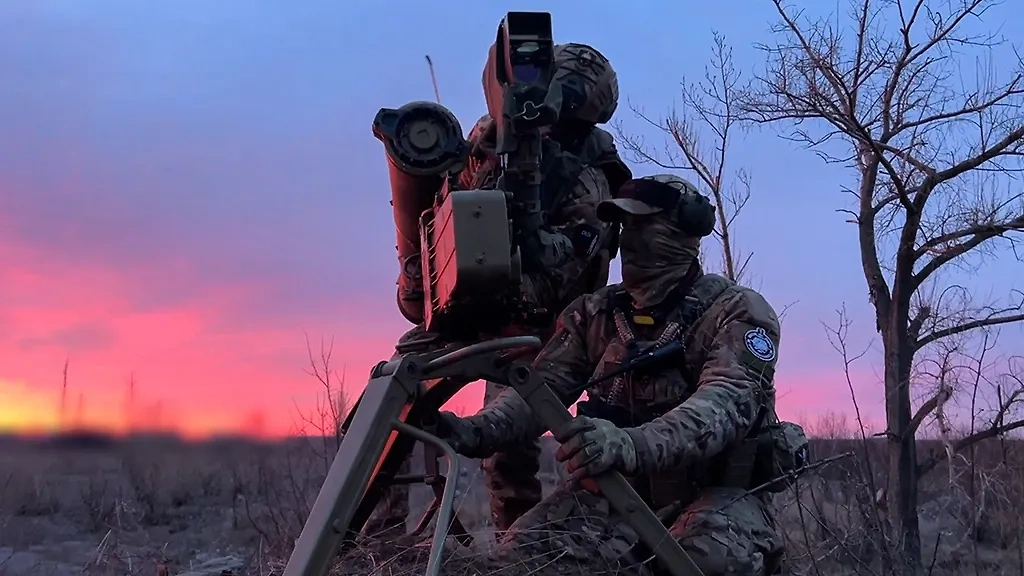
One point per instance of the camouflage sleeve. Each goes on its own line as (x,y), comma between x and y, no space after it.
(738,369)
(480,171)
(564,364)
(569,247)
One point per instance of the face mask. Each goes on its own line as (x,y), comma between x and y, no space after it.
(656,256)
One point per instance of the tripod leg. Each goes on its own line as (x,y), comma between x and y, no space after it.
(344,501)
(401,390)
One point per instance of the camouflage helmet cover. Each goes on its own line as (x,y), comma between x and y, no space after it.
(482,160)
(590,87)
(582,69)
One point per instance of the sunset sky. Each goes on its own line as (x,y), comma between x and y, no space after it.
(189,189)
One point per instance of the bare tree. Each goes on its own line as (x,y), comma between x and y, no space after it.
(883,92)
(326,420)
(711,109)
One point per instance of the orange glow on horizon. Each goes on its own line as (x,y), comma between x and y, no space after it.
(32,413)
(28,413)
(22,411)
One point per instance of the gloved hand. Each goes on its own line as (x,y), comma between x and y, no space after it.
(463,436)
(591,446)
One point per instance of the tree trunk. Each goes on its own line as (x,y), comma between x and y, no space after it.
(902,450)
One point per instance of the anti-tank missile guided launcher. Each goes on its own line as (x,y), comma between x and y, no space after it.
(462,253)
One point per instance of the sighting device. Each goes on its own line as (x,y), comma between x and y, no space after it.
(462,254)
(522,100)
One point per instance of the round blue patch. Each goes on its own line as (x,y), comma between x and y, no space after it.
(759,344)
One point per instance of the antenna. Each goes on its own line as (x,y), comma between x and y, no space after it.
(433,78)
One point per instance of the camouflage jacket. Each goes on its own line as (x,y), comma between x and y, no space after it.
(714,394)
(578,247)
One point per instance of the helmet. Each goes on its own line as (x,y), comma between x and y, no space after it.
(667,193)
(589,85)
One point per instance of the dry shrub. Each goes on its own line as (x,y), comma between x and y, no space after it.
(275,490)
(835,520)
(27,493)
(102,500)
(275,485)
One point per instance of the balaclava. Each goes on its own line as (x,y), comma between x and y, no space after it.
(656,256)
(663,218)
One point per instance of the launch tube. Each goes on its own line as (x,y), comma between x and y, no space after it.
(423,142)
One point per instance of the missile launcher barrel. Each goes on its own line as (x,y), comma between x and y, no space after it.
(424,144)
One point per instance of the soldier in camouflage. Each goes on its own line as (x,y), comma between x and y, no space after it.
(580,167)
(689,432)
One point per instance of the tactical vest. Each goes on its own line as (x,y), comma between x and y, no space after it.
(772,448)
(626,394)
(561,168)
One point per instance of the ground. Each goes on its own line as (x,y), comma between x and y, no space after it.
(156,505)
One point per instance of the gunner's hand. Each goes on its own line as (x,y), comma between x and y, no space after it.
(591,446)
(463,436)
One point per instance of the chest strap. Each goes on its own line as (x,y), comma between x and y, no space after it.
(628,338)
(692,298)
(678,320)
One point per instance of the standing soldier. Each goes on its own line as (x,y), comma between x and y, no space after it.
(581,168)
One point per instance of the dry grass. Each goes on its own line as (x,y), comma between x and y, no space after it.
(131,507)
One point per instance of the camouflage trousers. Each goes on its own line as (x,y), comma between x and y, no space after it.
(511,479)
(573,531)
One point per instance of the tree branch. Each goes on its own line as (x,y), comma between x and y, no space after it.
(977,236)
(991,432)
(991,229)
(993,320)
(927,408)
(1011,139)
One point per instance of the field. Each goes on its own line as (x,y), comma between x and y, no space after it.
(157,505)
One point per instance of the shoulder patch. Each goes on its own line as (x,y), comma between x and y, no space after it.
(759,344)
